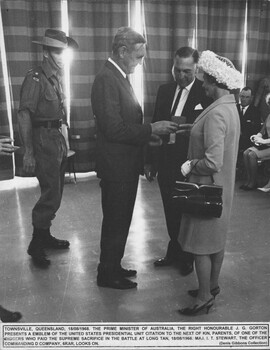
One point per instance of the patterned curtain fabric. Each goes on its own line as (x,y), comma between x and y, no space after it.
(208,24)
(204,24)
(24,21)
(258,66)
(258,37)
(6,166)
(221,28)
(93,23)
(168,25)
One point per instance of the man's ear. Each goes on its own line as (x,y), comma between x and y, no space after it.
(122,51)
(173,72)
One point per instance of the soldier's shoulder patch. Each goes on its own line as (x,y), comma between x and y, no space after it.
(36,75)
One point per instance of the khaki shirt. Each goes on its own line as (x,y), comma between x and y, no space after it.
(39,97)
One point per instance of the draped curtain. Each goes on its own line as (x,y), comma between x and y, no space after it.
(6,166)
(258,38)
(93,23)
(203,24)
(220,28)
(168,26)
(24,21)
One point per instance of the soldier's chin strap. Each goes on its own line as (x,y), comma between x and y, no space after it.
(52,60)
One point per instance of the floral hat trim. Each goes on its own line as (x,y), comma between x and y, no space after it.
(222,69)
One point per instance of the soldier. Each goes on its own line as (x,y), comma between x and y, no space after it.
(40,116)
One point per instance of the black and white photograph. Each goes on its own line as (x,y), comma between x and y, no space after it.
(134,174)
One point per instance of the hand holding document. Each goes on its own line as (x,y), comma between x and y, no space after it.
(179,120)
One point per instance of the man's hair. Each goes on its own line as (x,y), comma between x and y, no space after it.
(127,37)
(187,51)
(247,88)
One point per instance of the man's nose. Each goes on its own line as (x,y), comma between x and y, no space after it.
(181,75)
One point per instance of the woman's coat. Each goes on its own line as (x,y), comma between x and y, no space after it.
(213,145)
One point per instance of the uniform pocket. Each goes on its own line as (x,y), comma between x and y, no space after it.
(50,95)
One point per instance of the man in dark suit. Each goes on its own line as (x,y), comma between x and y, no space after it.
(249,118)
(121,137)
(184,97)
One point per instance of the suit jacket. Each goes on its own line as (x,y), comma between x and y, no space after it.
(250,124)
(169,158)
(120,133)
(213,149)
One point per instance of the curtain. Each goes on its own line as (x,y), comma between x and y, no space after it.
(93,23)
(258,38)
(203,24)
(221,28)
(168,26)
(24,21)
(6,165)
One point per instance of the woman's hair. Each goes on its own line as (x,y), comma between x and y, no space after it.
(212,80)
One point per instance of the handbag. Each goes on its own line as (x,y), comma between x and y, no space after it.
(198,199)
(261,147)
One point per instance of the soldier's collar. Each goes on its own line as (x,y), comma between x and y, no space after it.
(48,69)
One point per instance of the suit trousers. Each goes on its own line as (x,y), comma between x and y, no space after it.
(118,200)
(173,222)
(51,160)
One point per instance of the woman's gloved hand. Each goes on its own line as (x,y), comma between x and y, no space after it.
(186,168)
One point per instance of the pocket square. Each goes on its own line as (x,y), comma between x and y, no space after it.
(199,106)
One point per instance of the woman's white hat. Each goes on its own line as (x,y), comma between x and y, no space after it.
(222,69)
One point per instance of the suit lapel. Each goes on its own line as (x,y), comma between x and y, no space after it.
(123,81)
(168,100)
(213,105)
(191,102)
(191,98)
(222,100)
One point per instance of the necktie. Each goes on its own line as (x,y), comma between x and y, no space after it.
(176,102)
(241,111)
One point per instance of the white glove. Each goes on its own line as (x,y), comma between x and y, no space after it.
(186,168)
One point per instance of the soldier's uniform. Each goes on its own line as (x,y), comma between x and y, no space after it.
(41,102)
(39,96)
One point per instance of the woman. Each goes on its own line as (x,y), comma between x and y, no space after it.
(259,151)
(213,148)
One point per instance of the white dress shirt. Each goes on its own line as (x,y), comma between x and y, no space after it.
(116,65)
(183,98)
(244,109)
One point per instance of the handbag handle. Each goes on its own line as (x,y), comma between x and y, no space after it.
(212,176)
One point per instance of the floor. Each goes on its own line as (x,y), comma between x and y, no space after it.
(67,291)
